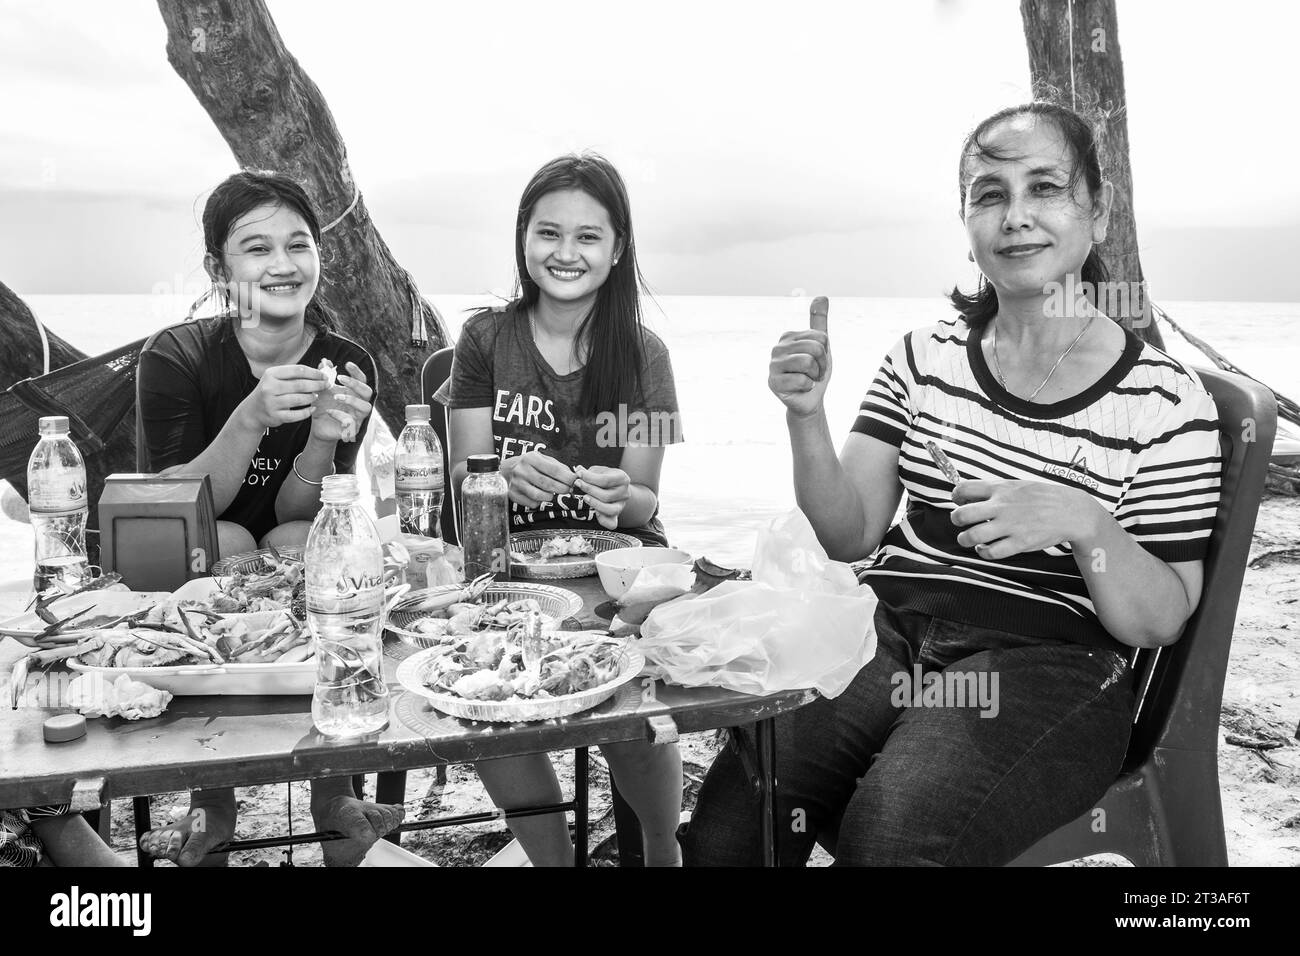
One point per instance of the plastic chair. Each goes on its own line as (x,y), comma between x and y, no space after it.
(436,371)
(1165,810)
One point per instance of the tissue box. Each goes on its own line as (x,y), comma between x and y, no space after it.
(157,531)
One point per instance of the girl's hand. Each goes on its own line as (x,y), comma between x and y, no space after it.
(338,415)
(535,478)
(606,491)
(1004,518)
(284,394)
(800,368)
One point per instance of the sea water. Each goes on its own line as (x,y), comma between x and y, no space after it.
(732,474)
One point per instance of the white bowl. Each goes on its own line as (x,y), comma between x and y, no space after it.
(619,568)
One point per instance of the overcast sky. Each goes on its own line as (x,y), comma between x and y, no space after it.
(768,146)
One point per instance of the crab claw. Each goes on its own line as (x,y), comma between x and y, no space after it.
(18,681)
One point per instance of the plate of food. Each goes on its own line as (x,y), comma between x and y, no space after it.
(65,619)
(185,648)
(520,673)
(265,580)
(555,555)
(423,618)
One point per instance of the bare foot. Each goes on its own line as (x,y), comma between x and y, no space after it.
(361,822)
(209,823)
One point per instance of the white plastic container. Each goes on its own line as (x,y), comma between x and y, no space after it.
(618,569)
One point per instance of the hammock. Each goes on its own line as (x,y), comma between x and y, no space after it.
(96,394)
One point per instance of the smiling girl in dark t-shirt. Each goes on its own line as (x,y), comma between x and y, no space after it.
(240,398)
(578,400)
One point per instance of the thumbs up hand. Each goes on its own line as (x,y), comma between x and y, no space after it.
(801,363)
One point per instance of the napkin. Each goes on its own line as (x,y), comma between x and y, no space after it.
(94,696)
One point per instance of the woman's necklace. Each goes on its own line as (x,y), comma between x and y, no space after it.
(997,366)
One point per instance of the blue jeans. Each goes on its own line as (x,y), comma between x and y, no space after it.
(956,745)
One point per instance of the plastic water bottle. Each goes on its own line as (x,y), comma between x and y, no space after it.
(419,475)
(485,519)
(345,600)
(56,497)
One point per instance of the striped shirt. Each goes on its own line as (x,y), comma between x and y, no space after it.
(1143,441)
(18,844)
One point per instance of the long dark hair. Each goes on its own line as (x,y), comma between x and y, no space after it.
(243,192)
(981,306)
(613,328)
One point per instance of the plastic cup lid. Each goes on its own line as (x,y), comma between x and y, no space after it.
(64,727)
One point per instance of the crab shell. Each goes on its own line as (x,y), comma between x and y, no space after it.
(131,656)
(152,649)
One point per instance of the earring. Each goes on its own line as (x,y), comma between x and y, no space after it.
(615,262)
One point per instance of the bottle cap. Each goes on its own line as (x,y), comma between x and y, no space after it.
(64,727)
(480,464)
(53,423)
(417,413)
(339,489)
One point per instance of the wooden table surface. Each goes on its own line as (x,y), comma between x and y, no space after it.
(206,742)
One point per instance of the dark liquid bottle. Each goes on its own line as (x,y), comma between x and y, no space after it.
(485,519)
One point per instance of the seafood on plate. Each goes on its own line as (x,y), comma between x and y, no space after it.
(278,583)
(464,618)
(559,546)
(175,634)
(178,636)
(522,662)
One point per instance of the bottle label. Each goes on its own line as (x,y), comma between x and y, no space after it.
(346,597)
(415,478)
(53,493)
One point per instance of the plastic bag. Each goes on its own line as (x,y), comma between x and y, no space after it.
(804,621)
(132,699)
(652,586)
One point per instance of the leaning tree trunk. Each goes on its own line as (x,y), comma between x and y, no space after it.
(21,356)
(1074,58)
(273,116)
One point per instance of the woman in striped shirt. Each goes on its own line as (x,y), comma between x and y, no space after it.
(51,836)
(999,703)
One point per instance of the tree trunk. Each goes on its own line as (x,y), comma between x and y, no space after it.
(273,116)
(21,355)
(1088,75)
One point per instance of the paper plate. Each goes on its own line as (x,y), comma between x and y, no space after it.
(200,680)
(252,562)
(557,606)
(410,674)
(566,566)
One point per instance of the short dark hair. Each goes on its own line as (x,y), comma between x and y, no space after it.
(240,194)
(979,307)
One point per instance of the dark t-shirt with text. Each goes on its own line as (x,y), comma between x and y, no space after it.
(498,366)
(192,378)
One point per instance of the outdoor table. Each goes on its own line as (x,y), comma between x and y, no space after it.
(228,741)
